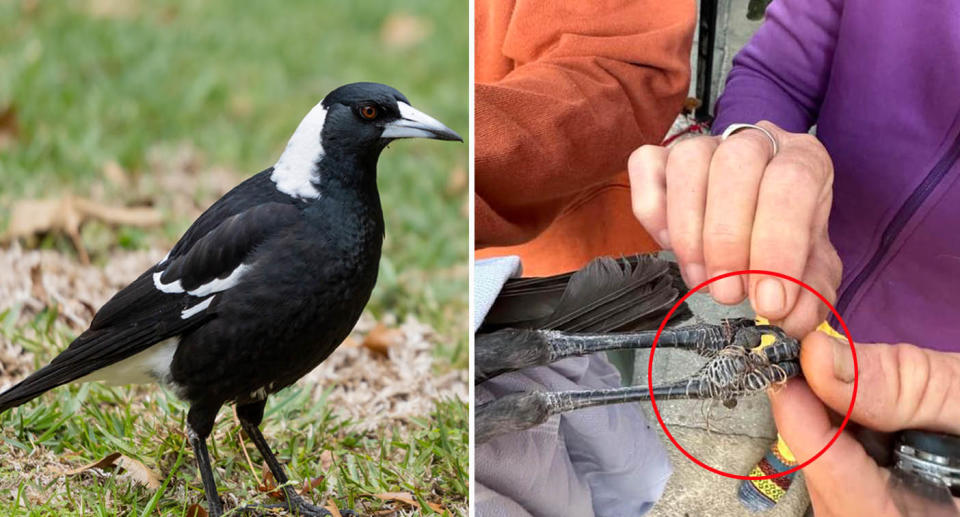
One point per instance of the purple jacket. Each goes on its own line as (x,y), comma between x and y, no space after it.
(880,79)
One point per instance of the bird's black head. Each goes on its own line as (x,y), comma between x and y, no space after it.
(350,127)
(365,117)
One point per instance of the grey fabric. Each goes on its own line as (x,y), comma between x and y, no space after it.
(602,461)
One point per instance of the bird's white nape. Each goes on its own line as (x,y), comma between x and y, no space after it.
(296,171)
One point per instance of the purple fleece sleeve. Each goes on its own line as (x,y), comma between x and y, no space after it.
(781,74)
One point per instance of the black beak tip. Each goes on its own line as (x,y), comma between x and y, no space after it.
(449,135)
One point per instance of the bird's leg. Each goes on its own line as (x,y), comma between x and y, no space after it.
(730,374)
(199,426)
(512,349)
(250,416)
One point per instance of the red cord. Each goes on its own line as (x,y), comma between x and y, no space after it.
(695,127)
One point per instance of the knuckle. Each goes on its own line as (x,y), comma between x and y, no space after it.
(834,267)
(698,149)
(940,387)
(643,157)
(828,261)
(787,241)
(827,288)
(724,235)
(796,170)
(745,144)
(644,210)
(812,148)
(911,375)
(685,245)
(806,140)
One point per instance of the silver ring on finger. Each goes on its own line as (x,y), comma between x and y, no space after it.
(733,128)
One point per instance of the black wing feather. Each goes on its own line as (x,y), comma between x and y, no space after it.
(140,315)
(606,295)
(219,252)
(214,255)
(256,190)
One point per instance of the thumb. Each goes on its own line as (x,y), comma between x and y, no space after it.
(900,386)
(805,426)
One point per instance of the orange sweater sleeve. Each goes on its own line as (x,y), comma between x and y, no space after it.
(565,90)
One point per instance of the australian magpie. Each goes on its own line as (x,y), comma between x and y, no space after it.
(615,305)
(262,287)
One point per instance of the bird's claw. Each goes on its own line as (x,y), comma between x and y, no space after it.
(752,358)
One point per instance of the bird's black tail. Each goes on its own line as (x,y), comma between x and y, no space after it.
(38,383)
(21,394)
(91,351)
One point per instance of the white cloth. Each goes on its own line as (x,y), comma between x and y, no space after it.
(489,275)
(603,461)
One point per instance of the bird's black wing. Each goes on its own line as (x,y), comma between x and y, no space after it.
(174,296)
(606,295)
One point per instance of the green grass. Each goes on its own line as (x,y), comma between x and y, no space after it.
(235,83)
(77,425)
(233,80)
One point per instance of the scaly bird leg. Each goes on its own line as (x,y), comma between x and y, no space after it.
(199,426)
(513,349)
(730,374)
(250,416)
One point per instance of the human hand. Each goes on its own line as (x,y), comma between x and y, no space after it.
(733,205)
(900,387)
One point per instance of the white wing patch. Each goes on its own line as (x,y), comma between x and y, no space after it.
(220,284)
(296,170)
(151,365)
(191,311)
(171,288)
(214,286)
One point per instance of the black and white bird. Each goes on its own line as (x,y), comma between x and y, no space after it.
(262,287)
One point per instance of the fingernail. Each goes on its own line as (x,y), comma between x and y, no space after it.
(664,239)
(695,274)
(727,290)
(770,297)
(843,369)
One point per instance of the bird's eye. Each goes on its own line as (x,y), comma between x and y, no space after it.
(369,111)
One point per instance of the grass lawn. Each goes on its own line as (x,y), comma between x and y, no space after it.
(87,83)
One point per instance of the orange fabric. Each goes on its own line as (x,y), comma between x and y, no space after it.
(565,90)
(593,224)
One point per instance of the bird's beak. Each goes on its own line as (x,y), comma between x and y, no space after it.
(414,123)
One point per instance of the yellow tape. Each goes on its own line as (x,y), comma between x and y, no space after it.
(768,339)
(772,491)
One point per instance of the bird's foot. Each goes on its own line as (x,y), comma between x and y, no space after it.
(295,507)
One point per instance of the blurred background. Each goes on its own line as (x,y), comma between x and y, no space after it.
(120,122)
